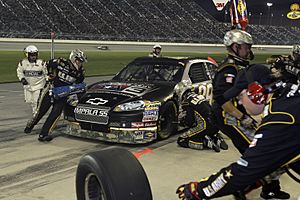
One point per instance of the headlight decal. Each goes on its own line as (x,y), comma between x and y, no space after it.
(130,106)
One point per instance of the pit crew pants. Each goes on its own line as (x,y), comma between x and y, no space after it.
(239,139)
(32,97)
(200,115)
(267,153)
(45,103)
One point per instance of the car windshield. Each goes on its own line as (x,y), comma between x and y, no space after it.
(150,72)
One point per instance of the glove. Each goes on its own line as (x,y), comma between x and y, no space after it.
(24,82)
(188,191)
(247,121)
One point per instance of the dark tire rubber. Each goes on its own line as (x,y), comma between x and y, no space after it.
(168,124)
(111,174)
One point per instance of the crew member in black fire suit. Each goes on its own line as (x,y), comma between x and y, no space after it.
(203,133)
(231,118)
(288,67)
(276,143)
(61,72)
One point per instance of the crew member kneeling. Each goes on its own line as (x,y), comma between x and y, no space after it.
(267,152)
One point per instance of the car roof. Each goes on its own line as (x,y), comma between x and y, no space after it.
(164,60)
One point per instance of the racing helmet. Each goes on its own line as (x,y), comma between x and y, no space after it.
(31,50)
(295,53)
(156,46)
(77,54)
(237,36)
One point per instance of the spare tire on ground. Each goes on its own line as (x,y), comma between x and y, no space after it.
(111,174)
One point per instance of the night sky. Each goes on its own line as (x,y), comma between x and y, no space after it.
(279,10)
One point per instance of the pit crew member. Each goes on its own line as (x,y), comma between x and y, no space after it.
(288,67)
(62,72)
(32,72)
(203,133)
(276,143)
(231,118)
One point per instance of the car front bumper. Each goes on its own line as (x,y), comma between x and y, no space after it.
(115,134)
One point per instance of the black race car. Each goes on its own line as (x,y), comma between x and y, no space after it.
(142,102)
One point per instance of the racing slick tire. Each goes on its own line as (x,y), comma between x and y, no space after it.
(167,124)
(111,174)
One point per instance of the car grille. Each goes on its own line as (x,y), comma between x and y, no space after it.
(92,114)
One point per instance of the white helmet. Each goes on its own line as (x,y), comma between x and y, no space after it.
(77,54)
(295,52)
(157,46)
(31,49)
(237,36)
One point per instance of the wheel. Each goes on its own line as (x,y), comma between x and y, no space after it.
(167,122)
(111,174)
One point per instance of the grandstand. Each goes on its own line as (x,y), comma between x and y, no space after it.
(130,20)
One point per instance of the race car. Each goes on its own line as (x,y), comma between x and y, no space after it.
(141,103)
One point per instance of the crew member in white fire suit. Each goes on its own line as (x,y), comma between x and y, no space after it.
(32,72)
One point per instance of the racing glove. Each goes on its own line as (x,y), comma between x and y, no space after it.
(24,82)
(188,191)
(248,121)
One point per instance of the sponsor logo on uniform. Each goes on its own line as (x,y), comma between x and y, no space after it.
(32,73)
(229,78)
(242,162)
(97,101)
(215,186)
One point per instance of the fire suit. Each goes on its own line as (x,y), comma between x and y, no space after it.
(203,132)
(288,68)
(276,144)
(61,73)
(35,76)
(229,125)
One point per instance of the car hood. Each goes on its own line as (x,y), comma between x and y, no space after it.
(111,94)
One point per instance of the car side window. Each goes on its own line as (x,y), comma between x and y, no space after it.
(211,70)
(198,73)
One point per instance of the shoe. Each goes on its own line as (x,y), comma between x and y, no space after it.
(27,130)
(275,195)
(196,145)
(45,138)
(220,142)
(209,143)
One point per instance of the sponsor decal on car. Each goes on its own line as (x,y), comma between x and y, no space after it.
(111,136)
(139,135)
(152,105)
(97,101)
(91,111)
(147,124)
(137,124)
(150,113)
(148,135)
(150,118)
